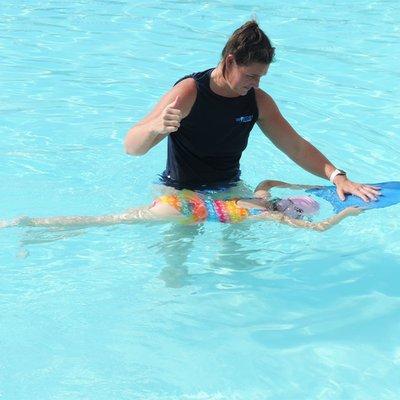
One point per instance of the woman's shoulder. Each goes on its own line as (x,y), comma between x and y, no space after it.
(265,103)
(186,90)
(187,84)
(195,77)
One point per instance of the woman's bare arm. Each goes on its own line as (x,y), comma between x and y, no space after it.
(285,138)
(163,120)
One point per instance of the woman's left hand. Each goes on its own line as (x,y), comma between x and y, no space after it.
(365,192)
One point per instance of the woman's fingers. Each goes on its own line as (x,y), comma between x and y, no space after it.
(173,111)
(171,129)
(171,126)
(172,117)
(370,192)
(365,192)
(362,193)
(340,193)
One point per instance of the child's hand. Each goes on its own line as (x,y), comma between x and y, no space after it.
(354,210)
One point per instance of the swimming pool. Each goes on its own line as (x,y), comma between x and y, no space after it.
(215,311)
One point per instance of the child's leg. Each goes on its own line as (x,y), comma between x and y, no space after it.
(156,212)
(83,221)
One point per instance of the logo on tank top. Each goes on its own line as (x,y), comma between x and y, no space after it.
(244,119)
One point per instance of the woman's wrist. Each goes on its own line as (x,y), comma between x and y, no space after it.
(335,174)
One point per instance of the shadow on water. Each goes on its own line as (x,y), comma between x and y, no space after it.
(211,246)
(45,236)
(229,251)
(175,246)
(178,241)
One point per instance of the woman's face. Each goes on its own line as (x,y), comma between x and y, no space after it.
(242,78)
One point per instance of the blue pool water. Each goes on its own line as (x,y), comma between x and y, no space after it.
(213,312)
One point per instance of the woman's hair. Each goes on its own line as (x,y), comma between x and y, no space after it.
(248,44)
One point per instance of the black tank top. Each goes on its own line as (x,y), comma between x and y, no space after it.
(206,149)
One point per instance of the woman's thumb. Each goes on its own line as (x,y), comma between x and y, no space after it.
(341,195)
(174,104)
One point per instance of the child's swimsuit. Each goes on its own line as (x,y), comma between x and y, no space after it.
(197,208)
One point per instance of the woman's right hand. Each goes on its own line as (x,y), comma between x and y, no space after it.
(169,120)
(163,120)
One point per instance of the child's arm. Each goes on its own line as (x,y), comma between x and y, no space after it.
(262,189)
(317,226)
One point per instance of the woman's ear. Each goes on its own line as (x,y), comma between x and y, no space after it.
(230,61)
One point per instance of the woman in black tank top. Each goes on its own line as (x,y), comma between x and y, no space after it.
(208,116)
(207,147)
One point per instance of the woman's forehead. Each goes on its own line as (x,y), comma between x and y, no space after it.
(255,68)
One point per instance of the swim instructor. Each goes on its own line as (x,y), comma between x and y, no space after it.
(208,116)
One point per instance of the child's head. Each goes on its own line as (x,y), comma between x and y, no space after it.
(297,207)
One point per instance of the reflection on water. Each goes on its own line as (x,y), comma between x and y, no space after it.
(42,236)
(230,251)
(175,246)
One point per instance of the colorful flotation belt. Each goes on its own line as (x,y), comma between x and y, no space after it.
(197,208)
(390,195)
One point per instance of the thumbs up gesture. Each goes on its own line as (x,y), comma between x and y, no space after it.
(170,118)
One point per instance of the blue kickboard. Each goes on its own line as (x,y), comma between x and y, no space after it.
(390,195)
